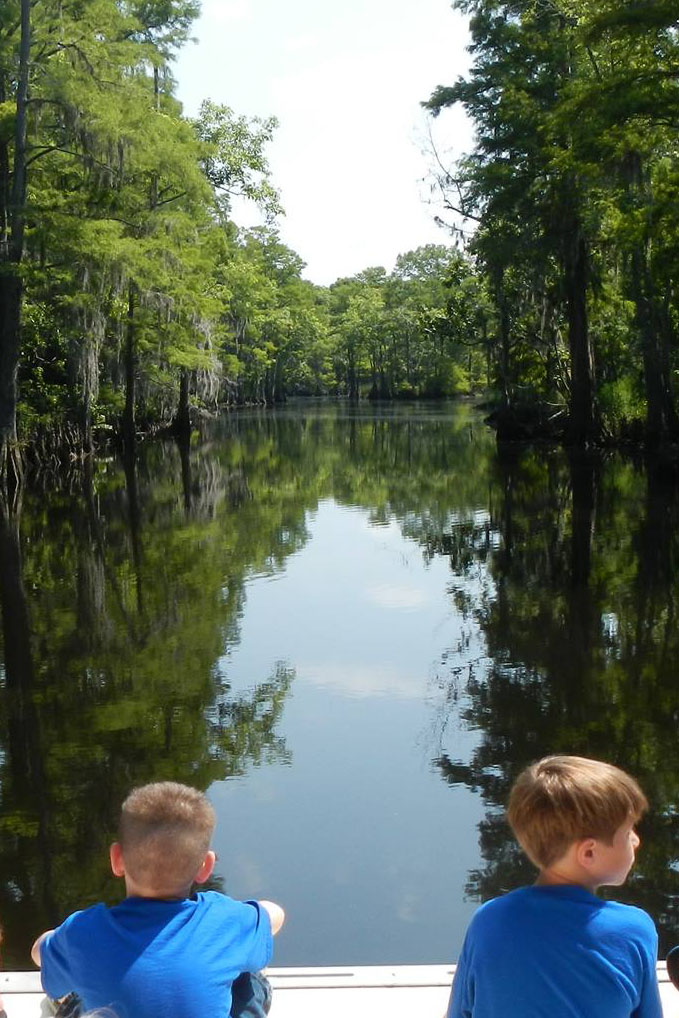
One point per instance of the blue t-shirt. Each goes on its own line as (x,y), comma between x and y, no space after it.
(557,952)
(148,958)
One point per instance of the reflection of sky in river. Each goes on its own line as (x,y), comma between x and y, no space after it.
(358,836)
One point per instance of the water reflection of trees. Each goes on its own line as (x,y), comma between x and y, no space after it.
(567,564)
(120,593)
(117,602)
(578,613)
(121,586)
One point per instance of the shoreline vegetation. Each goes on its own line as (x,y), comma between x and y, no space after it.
(131,302)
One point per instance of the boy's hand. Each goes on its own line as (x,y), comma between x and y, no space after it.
(35,950)
(276,915)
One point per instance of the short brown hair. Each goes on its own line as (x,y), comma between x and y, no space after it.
(562,799)
(165,831)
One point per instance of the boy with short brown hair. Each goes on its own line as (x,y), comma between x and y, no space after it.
(163,950)
(554,949)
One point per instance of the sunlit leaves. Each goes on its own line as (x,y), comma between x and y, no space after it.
(575,107)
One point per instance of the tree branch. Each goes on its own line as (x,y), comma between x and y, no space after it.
(82,156)
(166,201)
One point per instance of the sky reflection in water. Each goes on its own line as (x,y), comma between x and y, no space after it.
(364,839)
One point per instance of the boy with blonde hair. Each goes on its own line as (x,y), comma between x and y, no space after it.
(164,952)
(555,950)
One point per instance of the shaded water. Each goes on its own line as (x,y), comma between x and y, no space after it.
(353,627)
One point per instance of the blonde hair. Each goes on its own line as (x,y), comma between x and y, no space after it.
(562,799)
(165,831)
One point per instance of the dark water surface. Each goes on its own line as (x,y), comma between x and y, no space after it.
(352,628)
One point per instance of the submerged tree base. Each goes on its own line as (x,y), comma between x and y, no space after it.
(529,422)
(12,470)
(539,422)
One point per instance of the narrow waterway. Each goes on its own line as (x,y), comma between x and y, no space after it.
(352,627)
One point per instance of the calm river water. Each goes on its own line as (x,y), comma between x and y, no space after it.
(352,627)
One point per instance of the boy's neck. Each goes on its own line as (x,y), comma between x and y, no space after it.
(135,890)
(557,877)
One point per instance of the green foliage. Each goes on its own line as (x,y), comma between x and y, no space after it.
(620,405)
(127,212)
(143,300)
(569,182)
(416,332)
(234,157)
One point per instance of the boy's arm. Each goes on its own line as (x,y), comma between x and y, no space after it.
(276,915)
(461,1003)
(649,1002)
(35,950)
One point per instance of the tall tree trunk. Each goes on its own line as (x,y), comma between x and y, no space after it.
(181,424)
(89,369)
(661,413)
(5,177)
(576,271)
(503,322)
(10,332)
(352,375)
(11,254)
(129,420)
(657,426)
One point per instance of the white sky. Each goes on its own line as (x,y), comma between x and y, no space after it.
(345,81)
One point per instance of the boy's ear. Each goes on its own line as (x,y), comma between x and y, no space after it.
(585,852)
(206,868)
(116,857)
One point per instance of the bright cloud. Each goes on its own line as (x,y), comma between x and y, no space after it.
(346,85)
(362,680)
(225,12)
(388,596)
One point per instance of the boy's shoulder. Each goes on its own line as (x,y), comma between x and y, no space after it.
(100,912)
(629,920)
(545,903)
(85,916)
(569,909)
(135,916)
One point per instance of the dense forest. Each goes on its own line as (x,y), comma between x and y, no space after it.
(573,186)
(130,299)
